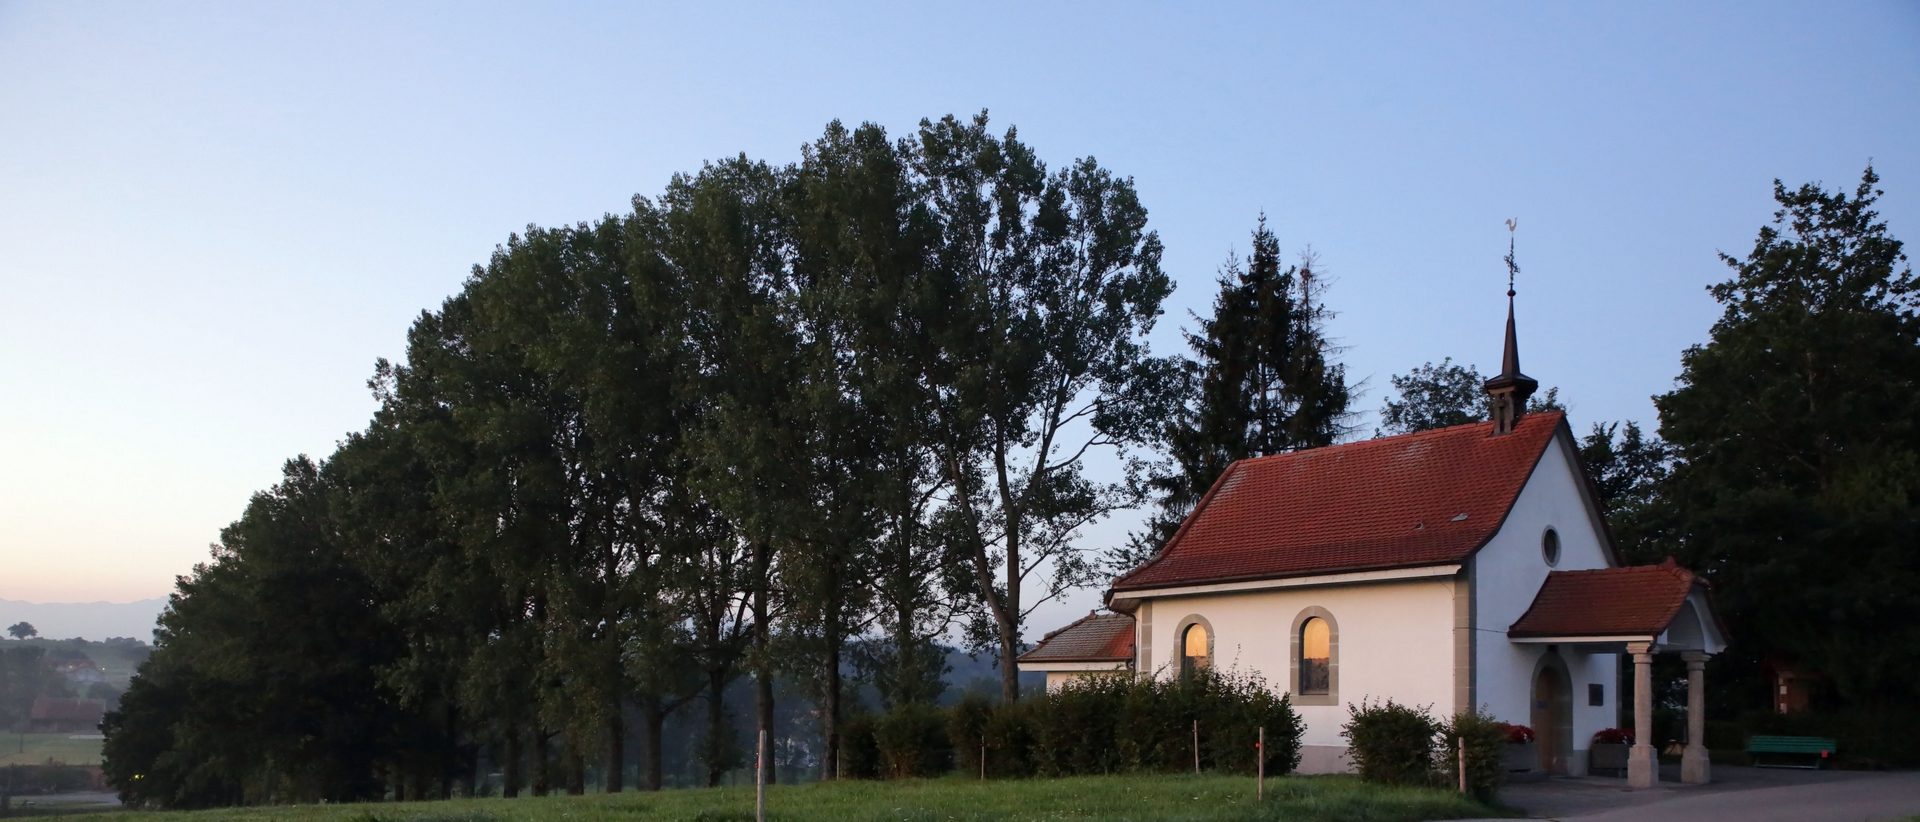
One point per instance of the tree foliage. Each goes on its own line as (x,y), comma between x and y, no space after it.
(1797,433)
(1438,395)
(1262,381)
(776,412)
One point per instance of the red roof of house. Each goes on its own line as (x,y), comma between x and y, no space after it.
(1638,600)
(1093,638)
(1426,498)
(57,709)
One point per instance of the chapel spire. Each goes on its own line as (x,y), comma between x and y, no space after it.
(1508,393)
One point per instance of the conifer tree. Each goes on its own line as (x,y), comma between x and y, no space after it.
(1261,382)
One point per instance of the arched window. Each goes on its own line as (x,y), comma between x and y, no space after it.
(1313,666)
(1196,649)
(1316,657)
(1550,547)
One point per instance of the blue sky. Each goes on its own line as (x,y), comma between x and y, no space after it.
(214,217)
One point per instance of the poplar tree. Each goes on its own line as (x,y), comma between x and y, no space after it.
(1040,290)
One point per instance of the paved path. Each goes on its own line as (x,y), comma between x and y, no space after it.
(1745,794)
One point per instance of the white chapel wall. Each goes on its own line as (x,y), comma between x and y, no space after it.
(1507,574)
(1395,639)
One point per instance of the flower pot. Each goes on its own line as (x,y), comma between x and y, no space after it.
(1519,757)
(1607,756)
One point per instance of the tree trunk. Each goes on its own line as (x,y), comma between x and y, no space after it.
(655,717)
(762,656)
(576,771)
(542,770)
(617,750)
(830,701)
(906,661)
(716,725)
(1009,669)
(512,767)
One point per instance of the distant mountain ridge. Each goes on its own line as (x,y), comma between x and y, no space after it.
(88,620)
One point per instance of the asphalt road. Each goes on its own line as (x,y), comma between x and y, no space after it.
(1746,794)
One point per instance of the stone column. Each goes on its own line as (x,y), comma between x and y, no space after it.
(1643,763)
(1694,766)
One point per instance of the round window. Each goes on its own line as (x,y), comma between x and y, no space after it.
(1550,547)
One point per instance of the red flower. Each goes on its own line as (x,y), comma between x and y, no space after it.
(1519,734)
(1613,736)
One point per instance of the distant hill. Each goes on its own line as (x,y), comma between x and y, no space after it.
(88,620)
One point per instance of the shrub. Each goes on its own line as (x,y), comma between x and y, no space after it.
(1075,730)
(967,731)
(859,751)
(1155,724)
(1009,740)
(912,742)
(1390,743)
(1612,736)
(1483,739)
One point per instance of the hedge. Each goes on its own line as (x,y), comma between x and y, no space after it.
(1097,725)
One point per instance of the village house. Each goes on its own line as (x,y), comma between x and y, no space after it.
(59,715)
(1457,568)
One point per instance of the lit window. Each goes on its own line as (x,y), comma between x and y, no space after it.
(1195,651)
(1550,547)
(1315,657)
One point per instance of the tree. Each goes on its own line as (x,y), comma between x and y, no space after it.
(1433,396)
(1038,295)
(1797,428)
(1261,382)
(1436,396)
(1629,470)
(22,630)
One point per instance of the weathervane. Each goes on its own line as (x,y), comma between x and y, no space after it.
(1512,267)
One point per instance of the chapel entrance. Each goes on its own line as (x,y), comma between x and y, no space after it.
(1552,717)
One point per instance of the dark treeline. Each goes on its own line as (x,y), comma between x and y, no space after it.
(777,424)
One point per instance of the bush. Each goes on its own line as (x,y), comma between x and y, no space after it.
(1156,717)
(912,742)
(1484,739)
(1391,743)
(1076,729)
(1009,740)
(859,751)
(967,731)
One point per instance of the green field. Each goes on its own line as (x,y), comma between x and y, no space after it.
(36,749)
(1092,797)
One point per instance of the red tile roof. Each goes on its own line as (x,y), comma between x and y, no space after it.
(1093,638)
(1639,600)
(58,709)
(1427,498)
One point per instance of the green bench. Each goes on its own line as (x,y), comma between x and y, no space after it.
(1821,749)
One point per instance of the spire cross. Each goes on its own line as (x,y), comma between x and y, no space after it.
(1512,267)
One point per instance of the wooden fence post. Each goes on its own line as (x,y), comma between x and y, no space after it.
(760,779)
(983,759)
(1260,758)
(1460,753)
(1196,747)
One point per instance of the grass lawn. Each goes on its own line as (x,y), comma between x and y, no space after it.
(36,749)
(1092,797)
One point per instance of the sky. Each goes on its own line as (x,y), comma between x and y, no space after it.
(215,217)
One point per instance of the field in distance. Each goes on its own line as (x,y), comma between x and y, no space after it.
(38,749)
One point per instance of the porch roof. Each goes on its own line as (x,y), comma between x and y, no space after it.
(1617,603)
